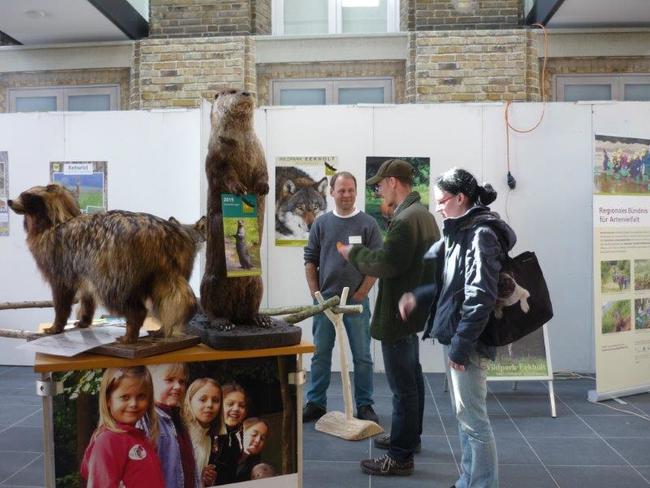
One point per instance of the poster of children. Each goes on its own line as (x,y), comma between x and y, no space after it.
(374,206)
(622,165)
(616,316)
(301,195)
(86,180)
(4,193)
(241,235)
(174,425)
(614,276)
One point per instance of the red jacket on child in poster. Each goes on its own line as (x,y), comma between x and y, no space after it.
(127,457)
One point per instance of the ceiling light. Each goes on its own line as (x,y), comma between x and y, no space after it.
(36,14)
(360,3)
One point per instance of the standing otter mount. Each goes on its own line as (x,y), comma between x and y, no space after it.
(235,164)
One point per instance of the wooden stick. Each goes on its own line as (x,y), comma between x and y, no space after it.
(30,304)
(312,310)
(19,334)
(300,308)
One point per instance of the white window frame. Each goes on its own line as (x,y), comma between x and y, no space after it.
(617,82)
(63,92)
(331,86)
(335,16)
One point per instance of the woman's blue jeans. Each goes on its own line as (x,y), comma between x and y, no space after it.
(479,464)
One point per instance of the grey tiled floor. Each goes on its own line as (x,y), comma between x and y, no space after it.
(586,446)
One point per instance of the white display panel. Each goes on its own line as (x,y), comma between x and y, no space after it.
(153,166)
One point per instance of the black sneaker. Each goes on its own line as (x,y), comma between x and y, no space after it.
(382,441)
(311,412)
(366,412)
(387,466)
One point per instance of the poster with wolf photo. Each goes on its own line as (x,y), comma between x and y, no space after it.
(4,193)
(241,235)
(374,206)
(301,195)
(86,179)
(214,422)
(526,358)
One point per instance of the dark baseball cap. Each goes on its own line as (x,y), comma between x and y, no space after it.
(393,167)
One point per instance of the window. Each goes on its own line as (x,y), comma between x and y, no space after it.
(76,98)
(602,87)
(309,17)
(347,91)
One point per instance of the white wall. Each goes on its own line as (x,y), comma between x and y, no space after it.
(153,166)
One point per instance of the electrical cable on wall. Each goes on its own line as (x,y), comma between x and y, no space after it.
(510,179)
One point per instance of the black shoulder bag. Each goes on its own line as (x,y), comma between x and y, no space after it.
(523,302)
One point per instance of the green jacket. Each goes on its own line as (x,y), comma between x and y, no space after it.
(399,267)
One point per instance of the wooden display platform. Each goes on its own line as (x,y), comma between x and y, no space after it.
(46,363)
(147,346)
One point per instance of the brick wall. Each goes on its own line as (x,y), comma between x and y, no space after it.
(349,69)
(472,66)
(592,65)
(196,18)
(261,16)
(467,14)
(406,15)
(179,72)
(65,78)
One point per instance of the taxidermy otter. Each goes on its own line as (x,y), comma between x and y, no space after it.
(235,164)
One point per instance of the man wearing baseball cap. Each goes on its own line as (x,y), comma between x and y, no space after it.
(400,268)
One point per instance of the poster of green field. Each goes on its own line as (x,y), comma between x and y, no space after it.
(241,235)
(422,170)
(87,180)
(525,359)
(4,193)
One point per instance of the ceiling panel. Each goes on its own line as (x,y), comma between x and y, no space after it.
(56,21)
(602,13)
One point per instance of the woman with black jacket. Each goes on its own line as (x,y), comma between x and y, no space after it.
(469,257)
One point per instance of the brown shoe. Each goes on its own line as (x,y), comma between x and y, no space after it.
(387,466)
(312,412)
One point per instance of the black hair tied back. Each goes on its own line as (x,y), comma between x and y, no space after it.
(486,194)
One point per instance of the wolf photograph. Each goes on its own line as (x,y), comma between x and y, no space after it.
(301,194)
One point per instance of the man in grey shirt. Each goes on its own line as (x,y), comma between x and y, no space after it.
(329,273)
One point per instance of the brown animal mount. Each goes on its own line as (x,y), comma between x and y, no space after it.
(123,260)
(235,164)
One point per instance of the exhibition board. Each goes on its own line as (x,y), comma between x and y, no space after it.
(158,162)
(266,382)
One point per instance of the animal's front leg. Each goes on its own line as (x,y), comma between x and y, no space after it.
(134,319)
(63,297)
(86,310)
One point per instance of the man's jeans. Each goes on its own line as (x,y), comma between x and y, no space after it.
(357,327)
(404,375)
(479,466)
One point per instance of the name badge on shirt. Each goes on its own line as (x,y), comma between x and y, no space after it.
(354,240)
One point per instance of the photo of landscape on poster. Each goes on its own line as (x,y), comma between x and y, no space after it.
(526,358)
(422,168)
(621,165)
(86,180)
(241,235)
(301,195)
(255,384)
(4,193)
